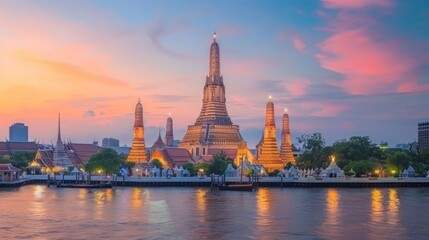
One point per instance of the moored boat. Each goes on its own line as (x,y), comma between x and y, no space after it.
(245,187)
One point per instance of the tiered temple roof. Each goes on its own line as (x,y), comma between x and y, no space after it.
(286,148)
(213,127)
(171,157)
(138,150)
(267,151)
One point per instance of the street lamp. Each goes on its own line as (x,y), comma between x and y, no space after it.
(393,173)
(377,172)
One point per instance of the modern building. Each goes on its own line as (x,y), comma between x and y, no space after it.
(138,151)
(110,142)
(423,137)
(18,132)
(213,128)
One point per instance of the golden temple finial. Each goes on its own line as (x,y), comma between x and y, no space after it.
(285,110)
(169,114)
(270,98)
(214,37)
(139,100)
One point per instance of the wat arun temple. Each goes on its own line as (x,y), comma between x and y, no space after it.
(214,132)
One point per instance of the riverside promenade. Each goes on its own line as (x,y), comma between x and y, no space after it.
(261,182)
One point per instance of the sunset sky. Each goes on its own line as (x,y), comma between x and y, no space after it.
(342,68)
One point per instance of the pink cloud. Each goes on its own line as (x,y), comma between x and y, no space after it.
(355,4)
(368,66)
(298,87)
(329,109)
(297,42)
(354,50)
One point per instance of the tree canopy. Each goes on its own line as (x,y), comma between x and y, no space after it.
(19,159)
(106,161)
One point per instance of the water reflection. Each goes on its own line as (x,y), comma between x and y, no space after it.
(137,198)
(38,208)
(332,202)
(393,207)
(263,204)
(201,202)
(376,205)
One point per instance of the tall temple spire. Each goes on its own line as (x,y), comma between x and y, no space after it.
(267,151)
(59,127)
(138,150)
(61,158)
(214,109)
(269,113)
(169,132)
(214,70)
(286,148)
(213,130)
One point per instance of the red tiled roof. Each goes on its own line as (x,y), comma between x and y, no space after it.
(178,156)
(230,152)
(3,146)
(8,168)
(22,146)
(83,151)
(46,159)
(205,158)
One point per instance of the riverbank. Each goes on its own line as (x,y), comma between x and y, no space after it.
(262,182)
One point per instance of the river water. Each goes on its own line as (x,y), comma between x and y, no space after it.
(38,212)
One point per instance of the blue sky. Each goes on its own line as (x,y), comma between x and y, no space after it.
(342,68)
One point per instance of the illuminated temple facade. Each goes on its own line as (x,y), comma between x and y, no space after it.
(213,131)
(138,151)
(267,153)
(286,154)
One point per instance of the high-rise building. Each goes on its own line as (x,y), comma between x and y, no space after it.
(213,130)
(267,152)
(286,147)
(169,132)
(18,132)
(110,142)
(423,136)
(61,158)
(138,151)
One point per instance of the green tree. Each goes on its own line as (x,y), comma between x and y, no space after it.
(362,167)
(315,154)
(357,148)
(218,166)
(106,161)
(398,161)
(191,168)
(19,159)
(157,163)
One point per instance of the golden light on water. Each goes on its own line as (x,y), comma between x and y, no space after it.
(376,205)
(332,202)
(393,207)
(201,200)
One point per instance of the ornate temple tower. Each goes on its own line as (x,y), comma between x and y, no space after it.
(138,150)
(169,132)
(267,152)
(286,147)
(213,128)
(61,159)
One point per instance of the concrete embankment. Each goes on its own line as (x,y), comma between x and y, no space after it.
(261,182)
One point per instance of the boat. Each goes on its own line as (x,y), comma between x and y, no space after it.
(244,187)
(101,185)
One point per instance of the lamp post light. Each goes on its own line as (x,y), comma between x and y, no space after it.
(377,172)
(393,173)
